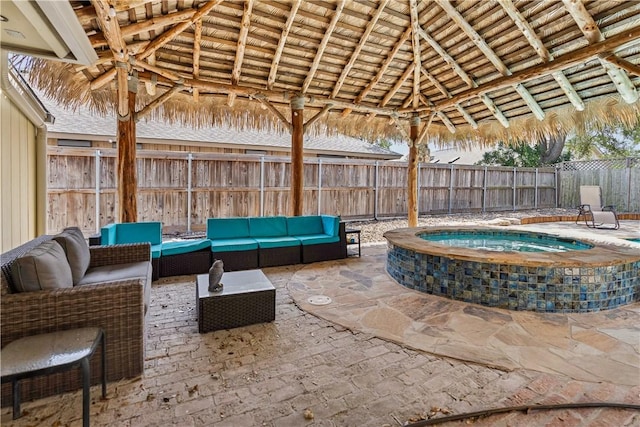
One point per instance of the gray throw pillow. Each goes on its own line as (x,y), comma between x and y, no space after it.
(77,251)
(44,267)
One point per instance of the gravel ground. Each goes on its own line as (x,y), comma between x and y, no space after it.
(372,231)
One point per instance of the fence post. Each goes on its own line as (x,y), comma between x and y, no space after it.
(535,202)
(189,195)
(628,161)
(555,177)
(514,188)
(98,191)
(418,189)
(375,193)
(450,187)
(261,185)
(484,190)
(319,185)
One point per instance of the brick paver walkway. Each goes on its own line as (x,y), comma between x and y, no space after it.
(269,374)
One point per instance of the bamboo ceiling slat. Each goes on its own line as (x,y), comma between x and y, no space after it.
(357,57)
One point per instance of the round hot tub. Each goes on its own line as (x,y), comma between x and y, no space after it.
(515,270)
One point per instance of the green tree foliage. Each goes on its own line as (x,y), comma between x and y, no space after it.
(606,142)
(519,154)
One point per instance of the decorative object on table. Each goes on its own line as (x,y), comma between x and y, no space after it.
(215,274)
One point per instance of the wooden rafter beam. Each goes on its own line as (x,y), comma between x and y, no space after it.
(169,35)
(385,65)
(276,112)
(592,33)
(443,90)
(621,63)
(158,101)
(99,39)
(477,39)
(493,108)
(273,72)
(446,93)
(445,120)
(570,59)
(151,86)
(383,68)
(325,110)
(464,76)
(158,70)
(242,42)
(323,45)
(274,95)
(354,56)
(424,130)
(536,43)
(398,84)
(467,116)
(415,42)
(197,41)
(111,30)
(446,57)
(401,129)
(103,79)
(241,46)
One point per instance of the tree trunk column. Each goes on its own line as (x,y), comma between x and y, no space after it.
(297,153)
(127,175)
(412,170)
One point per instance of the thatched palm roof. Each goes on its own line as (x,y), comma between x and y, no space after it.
(472,70)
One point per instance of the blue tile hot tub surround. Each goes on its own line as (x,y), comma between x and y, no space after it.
(604,278)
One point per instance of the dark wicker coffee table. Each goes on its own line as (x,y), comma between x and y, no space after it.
(247,297)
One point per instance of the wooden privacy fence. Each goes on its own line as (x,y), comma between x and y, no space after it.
(618,178)
(182,190)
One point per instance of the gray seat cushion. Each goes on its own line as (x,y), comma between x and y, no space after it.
(118,272)
(44,267)
(77,251)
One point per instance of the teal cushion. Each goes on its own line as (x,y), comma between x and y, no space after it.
(302,225)
(108,234)
(227,228)
(156,250)
(277,242)
(272,226)
(185,246)
(230,245)
(139,232)
(316,239)
(331,224)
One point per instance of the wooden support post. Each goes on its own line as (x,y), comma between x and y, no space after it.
(412,179)
(127,175)
(297,153)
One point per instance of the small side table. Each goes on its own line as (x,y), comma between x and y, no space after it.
(352,240)
(50,353)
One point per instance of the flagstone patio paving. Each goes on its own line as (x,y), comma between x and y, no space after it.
(387,355)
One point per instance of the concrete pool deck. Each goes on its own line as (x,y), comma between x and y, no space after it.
(601,346)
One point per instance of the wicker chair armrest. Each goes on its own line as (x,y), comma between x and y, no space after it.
(117,307)
(119,254)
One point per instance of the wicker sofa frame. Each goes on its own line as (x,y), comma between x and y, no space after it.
(117,308)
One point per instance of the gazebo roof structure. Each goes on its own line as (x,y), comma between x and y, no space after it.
(472,71)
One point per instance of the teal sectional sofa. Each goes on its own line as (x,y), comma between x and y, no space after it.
(252,242)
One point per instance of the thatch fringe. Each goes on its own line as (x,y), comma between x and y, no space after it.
(60,82)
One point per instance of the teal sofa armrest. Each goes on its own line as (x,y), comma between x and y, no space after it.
(227,228)
(108,234)
(331,224)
